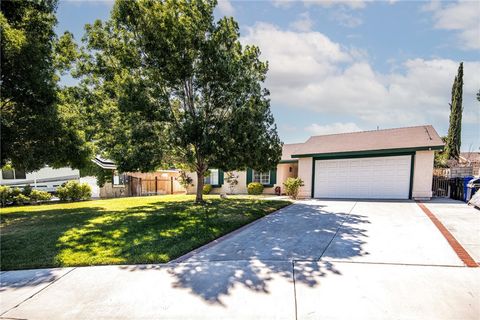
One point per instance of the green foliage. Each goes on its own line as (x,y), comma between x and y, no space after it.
(102,175)
(184,90)
(74,191)
(185,180)
(17,196)
(39,196)
(207,188)
(20,199)
(35,128)
(452,148)
(4,195)
(255,188)
(27,190)
(292,187)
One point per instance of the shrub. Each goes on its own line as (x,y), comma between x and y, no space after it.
(11,195)
(292,186)
(27,190)
(20,199)
(207,189)
(74,191)
(255,188)
(39,196)
(5,195)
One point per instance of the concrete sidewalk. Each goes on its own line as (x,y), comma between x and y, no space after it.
(312,260)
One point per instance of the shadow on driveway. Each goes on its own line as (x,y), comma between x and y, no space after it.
(269,248)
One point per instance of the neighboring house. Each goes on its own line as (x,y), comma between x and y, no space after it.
(471,159)
(46,179)
(380,164)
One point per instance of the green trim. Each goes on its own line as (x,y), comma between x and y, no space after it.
(273,176)
(339,155)
(412,170)
(220,177)
(313,177)
(288,161)
(249,175)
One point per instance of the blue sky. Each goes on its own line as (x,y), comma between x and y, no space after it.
(351,65)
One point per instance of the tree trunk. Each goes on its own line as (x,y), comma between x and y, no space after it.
(200,176)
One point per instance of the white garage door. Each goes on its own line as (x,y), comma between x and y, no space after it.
(368,178)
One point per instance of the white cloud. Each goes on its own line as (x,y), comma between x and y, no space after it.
(337,127)
(303,23)
(461,16)
(225,7)
(346,19)
(351,4)
(284,4)
(309,71)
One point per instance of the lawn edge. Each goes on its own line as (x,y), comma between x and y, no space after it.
(229,235)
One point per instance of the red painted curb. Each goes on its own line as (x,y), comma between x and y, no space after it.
(456,246)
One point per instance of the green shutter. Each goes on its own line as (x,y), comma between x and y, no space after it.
(220,177)
(249,175)
(273,176)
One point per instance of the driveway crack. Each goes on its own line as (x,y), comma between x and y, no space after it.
(37,292)
(338,229)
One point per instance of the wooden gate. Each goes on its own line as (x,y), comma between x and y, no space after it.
(148,187)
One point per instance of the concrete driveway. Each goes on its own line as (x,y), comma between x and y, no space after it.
(311,260)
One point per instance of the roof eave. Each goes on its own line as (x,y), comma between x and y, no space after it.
(365,152)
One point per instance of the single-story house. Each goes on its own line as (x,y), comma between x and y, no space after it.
(379,164)
(46,179)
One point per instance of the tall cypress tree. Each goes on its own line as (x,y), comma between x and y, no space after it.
(455,129)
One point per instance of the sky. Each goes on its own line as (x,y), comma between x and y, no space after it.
(342,66)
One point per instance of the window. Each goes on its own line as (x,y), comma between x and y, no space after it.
(119,179)
(212,178)
(262,177)
(10,174)
(20,174)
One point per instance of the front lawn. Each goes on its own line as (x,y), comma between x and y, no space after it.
(120,231)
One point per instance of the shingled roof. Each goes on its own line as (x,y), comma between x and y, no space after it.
(419,137)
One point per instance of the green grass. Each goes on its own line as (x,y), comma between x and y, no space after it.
(120,231)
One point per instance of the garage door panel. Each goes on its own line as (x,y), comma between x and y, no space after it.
(375,178)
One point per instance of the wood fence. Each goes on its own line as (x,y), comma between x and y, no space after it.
(146,187)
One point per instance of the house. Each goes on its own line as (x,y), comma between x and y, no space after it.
(46,179)
(471,159)
(380,164)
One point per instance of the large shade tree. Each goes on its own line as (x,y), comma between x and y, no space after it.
(36,127)
(172,86)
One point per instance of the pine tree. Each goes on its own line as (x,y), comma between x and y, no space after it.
(455,129)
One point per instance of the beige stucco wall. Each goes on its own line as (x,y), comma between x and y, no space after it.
(422,174)
(283,172)
(240,188)
(305,173)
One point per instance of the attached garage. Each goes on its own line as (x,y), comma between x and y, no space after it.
(380,164)
(370,178)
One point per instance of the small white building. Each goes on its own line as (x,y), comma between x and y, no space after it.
(46,179)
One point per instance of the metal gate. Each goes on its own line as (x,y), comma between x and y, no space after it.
(441,187)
